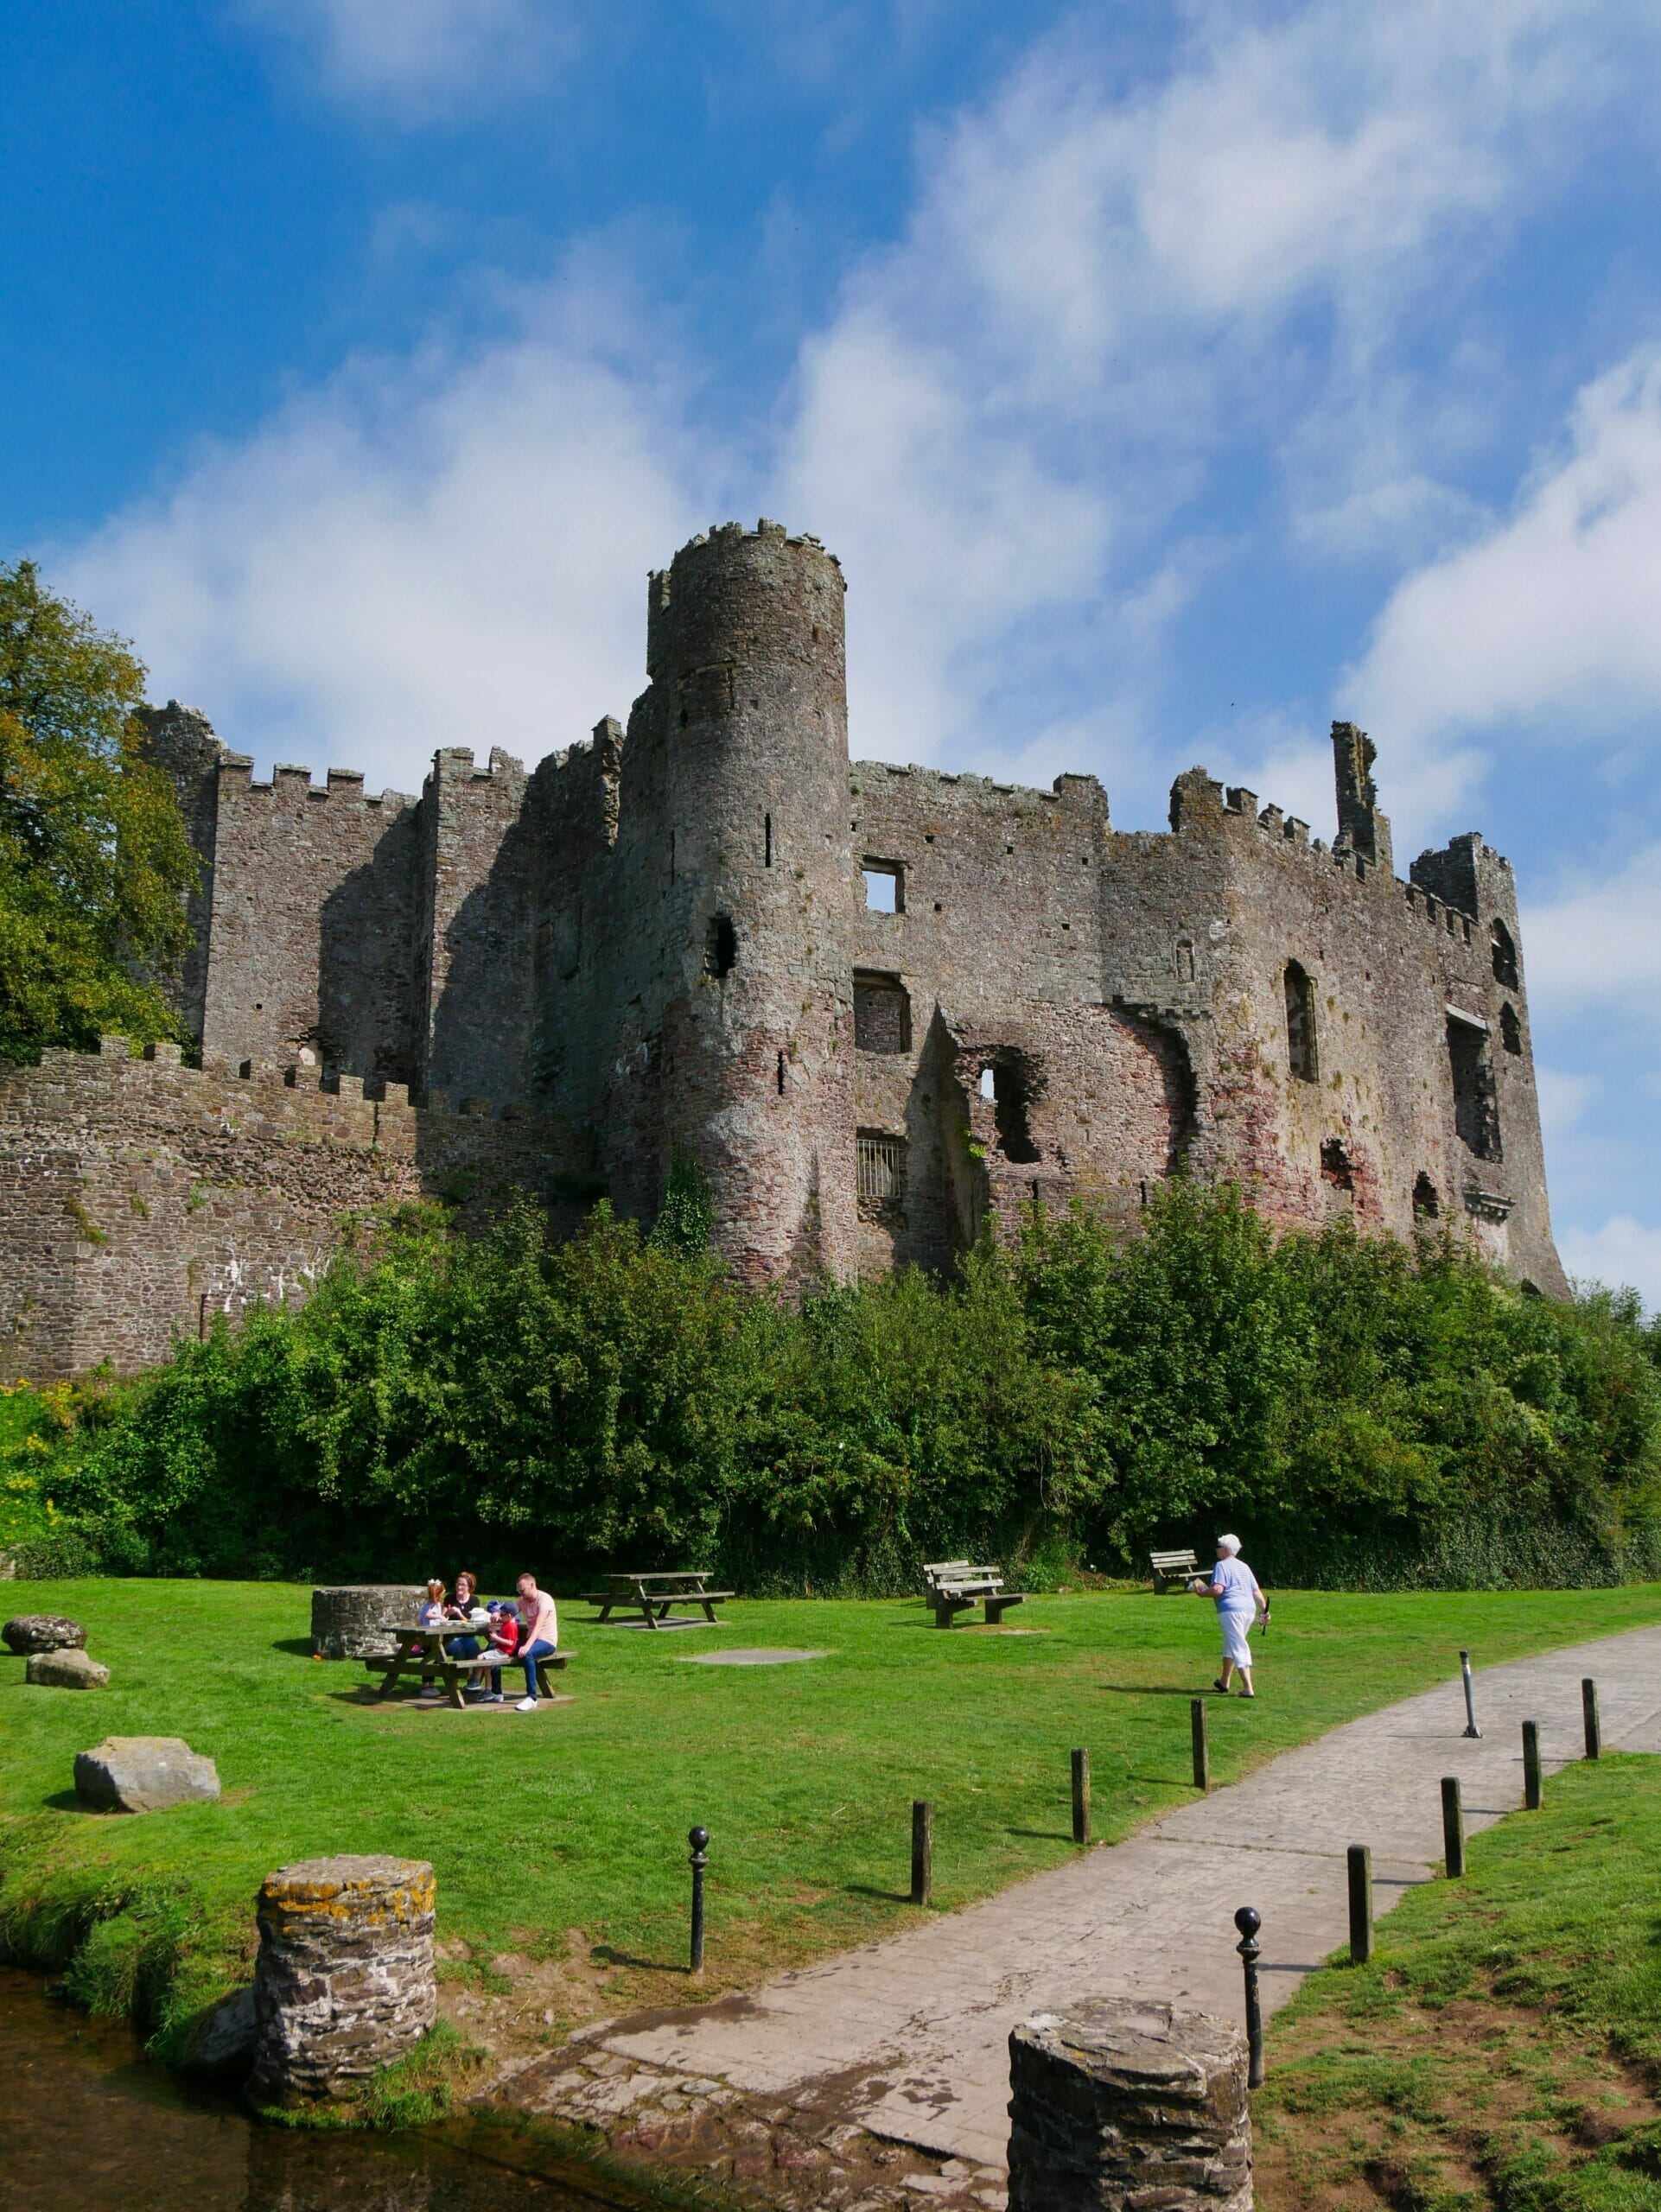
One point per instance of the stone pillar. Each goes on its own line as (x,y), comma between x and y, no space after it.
(350,1620)
(344,1980)
(1128,2104)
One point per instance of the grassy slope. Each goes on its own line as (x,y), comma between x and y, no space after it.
(576,1820)
(1503,2046)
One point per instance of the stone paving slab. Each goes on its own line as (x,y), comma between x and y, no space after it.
(913,2030)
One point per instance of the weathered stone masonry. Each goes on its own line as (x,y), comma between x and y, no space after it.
(877,1003)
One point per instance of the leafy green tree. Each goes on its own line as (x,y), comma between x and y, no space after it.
(94,861)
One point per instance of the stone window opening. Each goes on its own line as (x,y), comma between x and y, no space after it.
(1301,1024)
(885,887)
(1505,957)
(1476,1115)
(881,1165)
(988,1085)
(720,947)
(1427,1199)
(1336,1165)
(1014,1093)
(882,1013)
(1511,1029)
(1185,960)
(781,1075)
(766,839)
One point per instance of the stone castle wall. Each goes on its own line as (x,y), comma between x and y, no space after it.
(141,1198)
(878,1004)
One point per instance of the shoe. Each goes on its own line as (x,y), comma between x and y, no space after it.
(526,1705)
(493,1697)
(1219,1684)
(1248,1693)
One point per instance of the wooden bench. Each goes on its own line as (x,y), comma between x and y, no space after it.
(954,1586)
(1173,1570)
(439,1665)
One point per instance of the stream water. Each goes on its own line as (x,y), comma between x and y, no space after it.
(88,2125)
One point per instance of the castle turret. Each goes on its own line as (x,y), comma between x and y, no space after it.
(743,775)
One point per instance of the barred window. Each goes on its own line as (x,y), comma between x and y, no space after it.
(881,1166)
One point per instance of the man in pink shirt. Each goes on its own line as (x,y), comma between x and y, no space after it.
(540,1625)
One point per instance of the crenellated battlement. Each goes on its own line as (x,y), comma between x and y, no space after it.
(343,787)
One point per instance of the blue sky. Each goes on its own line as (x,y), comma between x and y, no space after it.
(1168,380)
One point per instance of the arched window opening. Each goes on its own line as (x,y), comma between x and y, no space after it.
(1511,1029)
(1185,960)
(720,947)
(1301,1024)
(1505,957)
(1427,1200)
(1015,1092)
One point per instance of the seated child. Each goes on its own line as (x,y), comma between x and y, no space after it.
(429,1616)
(504,1641)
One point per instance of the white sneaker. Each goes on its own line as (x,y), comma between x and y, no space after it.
(526,1705)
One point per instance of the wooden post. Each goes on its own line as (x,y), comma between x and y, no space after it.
(1360,1904)
(1453,1826)
(1589,1714)
(1533,1796)
(922,1850)
(1201,1744)
(1081,1796)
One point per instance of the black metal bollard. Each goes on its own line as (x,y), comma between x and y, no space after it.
(1533,1794)
(1360,1904)
(1081,1796)
(698,1838)
(1589,1713)
(922,1850)
(1471,1728)
(1201,1744)
(1249,1920)
(1452,1828)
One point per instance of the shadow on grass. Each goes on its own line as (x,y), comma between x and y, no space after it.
(1044,1836)
(1158,1689)
(609,1955)
(299,1646)
(64,1801)
(870,1889)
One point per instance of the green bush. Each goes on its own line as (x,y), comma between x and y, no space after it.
(1368,1414)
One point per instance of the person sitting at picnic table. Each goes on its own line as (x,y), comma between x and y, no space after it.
(539,1632)
(503,1638)
(463,1607)
(430,1615)
(1239,1598)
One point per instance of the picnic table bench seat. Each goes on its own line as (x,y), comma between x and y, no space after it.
(954,1586)
(1173,1570)
(442,1665)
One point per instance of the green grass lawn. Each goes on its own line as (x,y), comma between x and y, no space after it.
(559,1841)
(1503,2046)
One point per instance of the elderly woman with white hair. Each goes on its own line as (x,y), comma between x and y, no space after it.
(1240,1599)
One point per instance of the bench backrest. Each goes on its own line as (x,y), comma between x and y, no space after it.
(1173,1559)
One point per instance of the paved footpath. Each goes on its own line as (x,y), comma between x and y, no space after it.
(909,2038)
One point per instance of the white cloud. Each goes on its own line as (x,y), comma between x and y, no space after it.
(1564,1097)
(1100,287)
(422,57)
(1624,1253)
(1552,614)
(450,550)
(1600,937)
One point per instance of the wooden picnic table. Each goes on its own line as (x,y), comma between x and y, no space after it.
(421,1652)
(653,1594)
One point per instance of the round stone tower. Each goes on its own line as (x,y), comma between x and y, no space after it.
(745,651)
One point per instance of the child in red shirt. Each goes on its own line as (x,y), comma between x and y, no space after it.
(504,1641)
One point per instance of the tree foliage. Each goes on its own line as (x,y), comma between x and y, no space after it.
(94,860)
(1367,1413)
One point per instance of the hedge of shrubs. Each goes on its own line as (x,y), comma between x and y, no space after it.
(1368,1414)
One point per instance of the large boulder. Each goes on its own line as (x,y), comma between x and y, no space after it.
(66,1670)
(226,2044)
(143,1774)
(43,1632)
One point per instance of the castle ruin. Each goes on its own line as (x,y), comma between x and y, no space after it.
(877,1004)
